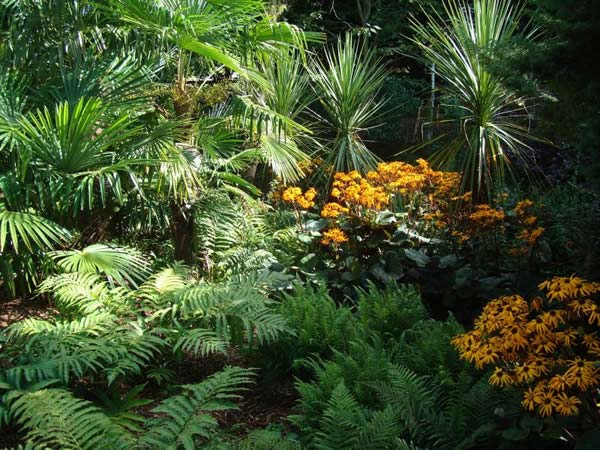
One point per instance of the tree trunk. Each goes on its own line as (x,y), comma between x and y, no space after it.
(182,232)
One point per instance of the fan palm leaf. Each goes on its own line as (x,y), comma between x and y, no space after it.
(118,264)
(30,230)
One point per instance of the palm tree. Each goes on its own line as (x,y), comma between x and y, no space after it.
(224,35)
(73,153)
(491,134)
(348,81)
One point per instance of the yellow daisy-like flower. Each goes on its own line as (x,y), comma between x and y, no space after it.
(526,373)
(291,194)
(559,383)
(567,405)
(501,377)
(547,402)
(333,210)
(554,317)
(582,373)
(591,342)
(529,399)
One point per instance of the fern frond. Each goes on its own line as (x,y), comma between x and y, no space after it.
(266,440)
(45,333)
(200,342)
(83,293)
(339,427)
(410,396)
(56,418)
(235,309)
(184,417)
(135,349)
(165,281)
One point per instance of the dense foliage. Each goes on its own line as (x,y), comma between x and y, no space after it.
(248,224)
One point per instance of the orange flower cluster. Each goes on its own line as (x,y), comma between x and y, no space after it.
(484,217)
(466,222)
(294,196)
(548,345)
(530,233)
(333,210)
(405,179)
(334,236)
(353,190)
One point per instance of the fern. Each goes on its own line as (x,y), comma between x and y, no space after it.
(200,342)
(77,293)
(120,409)
(184,417)
(117,352)
(391,311)
(38,332)
(232,236)
(339,427)
(137,348)
(409,395)
(265,440)
(156,288)
(348,425)
(236,310)
(56,418)
(319,327)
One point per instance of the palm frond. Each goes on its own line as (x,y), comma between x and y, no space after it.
(118,264)
(29,230)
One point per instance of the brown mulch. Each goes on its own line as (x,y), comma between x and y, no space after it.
(262,405)
(264,402)
(12,311)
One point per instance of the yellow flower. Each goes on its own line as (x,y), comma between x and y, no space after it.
(486,355)
(529,399)
(546,404)
(334,236)
(310,194)
(526,373)
(559,383)
(552,342)
(514,338)
(593,313)
(539,325)
(567,336)
(591,342)
(523,207)
(500,377)
(291,194)
(567,405)
(580,306)
(553,318)
(485,217)
(581,373)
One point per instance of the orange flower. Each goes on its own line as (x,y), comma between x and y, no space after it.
(333,210)
(334,236)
